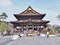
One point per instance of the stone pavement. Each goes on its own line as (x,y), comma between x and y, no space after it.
(5,40)
(36,40)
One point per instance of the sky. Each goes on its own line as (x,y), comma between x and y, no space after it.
(49,7)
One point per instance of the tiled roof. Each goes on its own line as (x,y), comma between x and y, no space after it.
(29,11)
(18,21)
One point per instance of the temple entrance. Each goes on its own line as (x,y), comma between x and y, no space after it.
(30,30)
(30,27)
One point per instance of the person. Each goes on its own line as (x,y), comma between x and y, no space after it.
(47,34)
(20,35)
(38,33)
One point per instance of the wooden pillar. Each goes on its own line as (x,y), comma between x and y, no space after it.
(33,27)
(38,27)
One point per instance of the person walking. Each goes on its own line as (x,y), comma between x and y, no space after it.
(47,34)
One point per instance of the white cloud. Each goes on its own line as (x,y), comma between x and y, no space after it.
(5,3)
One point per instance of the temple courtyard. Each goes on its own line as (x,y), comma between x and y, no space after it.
(34,40)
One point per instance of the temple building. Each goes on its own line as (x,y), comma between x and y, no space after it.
(29,19)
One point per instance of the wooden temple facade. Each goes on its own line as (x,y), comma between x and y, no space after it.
(29,19)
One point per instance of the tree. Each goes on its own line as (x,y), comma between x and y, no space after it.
(58,17)
(3,16)
(46,29)
(50,29)
(3,24)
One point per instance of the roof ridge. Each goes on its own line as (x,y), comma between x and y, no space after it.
(29,9)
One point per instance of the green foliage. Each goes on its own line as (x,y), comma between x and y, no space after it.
(3,16)
(54,30)
(46,29)
(3,26)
